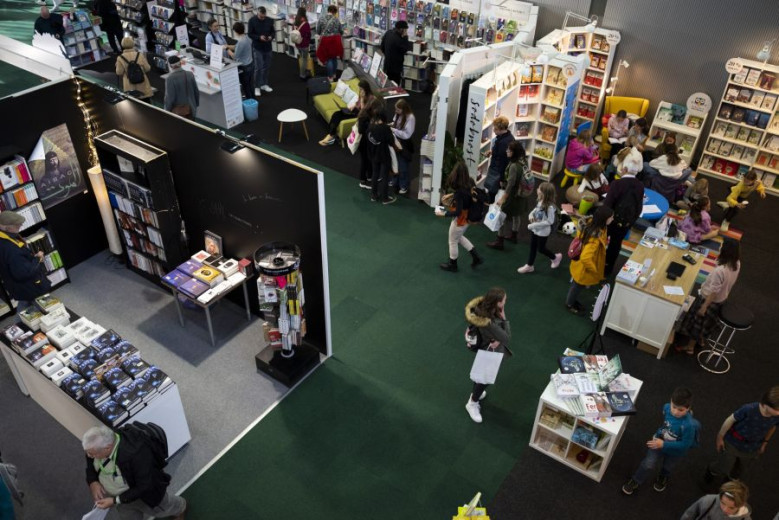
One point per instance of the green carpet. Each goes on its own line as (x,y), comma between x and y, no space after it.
(380,431)
(17,18)
(13,79)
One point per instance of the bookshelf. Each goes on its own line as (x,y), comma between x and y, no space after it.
(162,14)
(81,40)
(18,193)
(687,128)
(140,187)
(745,132)
(134,17)
(553,431)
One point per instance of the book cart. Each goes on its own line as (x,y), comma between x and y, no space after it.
(140,187)
(745,132)
(553,431)
(687,128)
(18,194)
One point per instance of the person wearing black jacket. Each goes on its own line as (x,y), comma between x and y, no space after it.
(121,471)
(394,46)
(380,140)
(626,198)
(497,154)
(456,205)
(261,33)
(22,272)
(50,23)
(111,24)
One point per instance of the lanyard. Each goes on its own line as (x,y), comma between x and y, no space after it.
(111,458)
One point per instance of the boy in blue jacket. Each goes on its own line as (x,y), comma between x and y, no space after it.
(669,444)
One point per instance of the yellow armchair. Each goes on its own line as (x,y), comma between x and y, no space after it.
(612,105)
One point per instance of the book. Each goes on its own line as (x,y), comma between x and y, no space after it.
(127,399)
(48,303)
(107,339)
(41,355)
(189,267)
(589,406)
(719,128)
(157,378)
(630,272)
(610,371)
(31,316)
(585,436)
(50,367)
(593,363)
(111,413)
(753,77)
(744,95)
(751,117)
(571,364)
(769,102)
(73,385)
(54,319)
(738,115)
(200,256)
(176,278)
(125,349)
(741,75)
(142,389)
(194,287)
(762,120)
(565,385)
(694,122)
(95,393)
(623,383)
(135,367)
(767,80)
(620,403)
(725,148)
(664,114)
(24,343)
(602,404)
(85,367)
(60,375)
(587,383)
(209,275)
(115,379)
(105,355)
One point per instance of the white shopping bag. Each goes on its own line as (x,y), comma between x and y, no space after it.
(485,367)
(494,218)
(96,514)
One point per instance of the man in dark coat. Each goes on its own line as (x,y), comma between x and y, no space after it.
(395,45)
(122,472)
(111,23)
(22,272)
(50,23)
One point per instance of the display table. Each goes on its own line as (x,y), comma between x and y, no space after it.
(292,115)
(220,91)
(556,441)
(647,314)
(660,203)
(207,306)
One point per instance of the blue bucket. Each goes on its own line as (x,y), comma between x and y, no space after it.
(250,107)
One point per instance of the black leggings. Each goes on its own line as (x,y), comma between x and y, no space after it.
(538,244)
(335,120)
(478,389)
(732,211)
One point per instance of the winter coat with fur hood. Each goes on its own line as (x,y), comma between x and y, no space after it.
(491,329)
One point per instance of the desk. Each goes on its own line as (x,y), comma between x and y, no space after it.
(648,314)
(653,198)
(207,306)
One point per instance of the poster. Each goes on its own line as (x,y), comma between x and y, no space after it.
(54,167)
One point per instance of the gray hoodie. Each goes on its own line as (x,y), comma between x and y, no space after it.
(707,508)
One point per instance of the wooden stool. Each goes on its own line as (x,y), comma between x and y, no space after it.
(570,174)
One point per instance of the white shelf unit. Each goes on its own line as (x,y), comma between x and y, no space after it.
(234,12)
(599,47)
(688,132)
(207,9)
(555,440)
(415,67)
(745,132)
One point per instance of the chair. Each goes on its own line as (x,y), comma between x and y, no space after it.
(612,105)
(570,174)
(732,318)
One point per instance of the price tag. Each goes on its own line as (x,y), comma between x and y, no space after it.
(699,101)
(613,37)
(734,66)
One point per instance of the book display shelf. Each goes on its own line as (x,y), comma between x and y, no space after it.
(207,9)
(162,14)
(84,375)
(82,40)
(140,187)
(415,76)
(598,48)
(687,124)
(233,12)
(18,194)
(134,16)
(745,131)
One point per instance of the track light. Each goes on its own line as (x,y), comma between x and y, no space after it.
(765,53)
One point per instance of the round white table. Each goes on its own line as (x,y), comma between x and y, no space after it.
(292,115)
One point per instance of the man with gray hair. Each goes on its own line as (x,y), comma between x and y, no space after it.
(182,96)
(121,472)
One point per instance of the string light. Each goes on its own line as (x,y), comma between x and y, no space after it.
(89,123)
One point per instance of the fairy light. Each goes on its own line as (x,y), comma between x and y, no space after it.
(89,123)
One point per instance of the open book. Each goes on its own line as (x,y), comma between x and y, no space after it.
(617,140)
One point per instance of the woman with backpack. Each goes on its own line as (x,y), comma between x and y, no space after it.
(588,256)
(519,186)
(457,203)
(132,67)
(488,314)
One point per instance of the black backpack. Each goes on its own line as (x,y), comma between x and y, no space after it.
(135,73)
(154,437)
(480,201)
(628,208)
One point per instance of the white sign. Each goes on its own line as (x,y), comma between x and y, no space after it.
(375,64)
(700,101)
(217,51)
(734,66)
(509,10)
(613,37)
(182,36)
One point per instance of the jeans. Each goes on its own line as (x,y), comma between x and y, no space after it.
(573,293)
(23,304)
(261,67)
(381,171)
(650,462)
(245,76)
(492,183)
(366,168)
(732,211)
(332,67)
(538,244)
(457,236)
(403,166)
(303,62)
(732,463)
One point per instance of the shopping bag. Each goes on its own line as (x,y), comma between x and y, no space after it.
(494,218)
(96,514)
(353,141)
(393,160)
(485,367)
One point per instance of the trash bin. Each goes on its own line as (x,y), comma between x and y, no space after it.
(250,107)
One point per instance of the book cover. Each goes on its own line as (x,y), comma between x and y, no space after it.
(157,378)
(623,383)
(60,376)
(104,355)
(176,278)
(85,367)
(769,102)
(111,413)
(678,112)
(189,267)
(107,339)
(767,80)
(621,403)
(630,272)
(125,349)
(73,385)
(47,303)
(135,367)
(571,364)
(602,404)
(194,287)
(142,389)
(95,393)
(585,436)
(115,379)
(738,115)
(744,95)
(743,134)
(741,75)
(762,120)
(24,343)
(664,114)
(731,132)
(587,383)
(589,406)
(731,94)
(12,332)
(565,385)
(126,398)
(751,117)
(37,357)
(610,371)
(753,77)
(209,275)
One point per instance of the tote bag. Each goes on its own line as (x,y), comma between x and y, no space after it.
(485,367)
(353,141)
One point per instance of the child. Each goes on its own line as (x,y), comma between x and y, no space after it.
(541,221)
(698,189)
(697,225)
(615,167)
(619,125)
(587,269)
(670,443)
(744,436)
(729,504)
(595,181)
(581,152)
(738,195)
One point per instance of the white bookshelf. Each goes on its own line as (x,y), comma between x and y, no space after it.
(688,131)
(738,143)
(553,438)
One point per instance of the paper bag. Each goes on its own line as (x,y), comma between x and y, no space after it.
(485,367)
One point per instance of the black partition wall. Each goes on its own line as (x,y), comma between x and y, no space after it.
(248,198)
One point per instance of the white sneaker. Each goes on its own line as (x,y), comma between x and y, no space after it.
(474,410)
(483,395)
(525,269)
(257,92)
(723,204)
(724,226)
(266,88)
(41,2)
(557,259)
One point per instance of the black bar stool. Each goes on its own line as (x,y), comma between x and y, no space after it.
(732,318)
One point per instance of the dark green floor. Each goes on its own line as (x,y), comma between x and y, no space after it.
(380,431)
(14,80)
(17,18)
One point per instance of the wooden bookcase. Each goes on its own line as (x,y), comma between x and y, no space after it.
(140,186)
(688,132)
(554,426)
(745,132)
(18,193)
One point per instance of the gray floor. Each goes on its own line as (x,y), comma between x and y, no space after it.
(220,388)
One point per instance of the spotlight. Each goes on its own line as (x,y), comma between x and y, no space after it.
(231,146)
(112,98)
(765,53)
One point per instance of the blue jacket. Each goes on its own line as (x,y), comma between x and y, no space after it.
(678,434)
(23,275)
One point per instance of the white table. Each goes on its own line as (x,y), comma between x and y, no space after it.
(292,115)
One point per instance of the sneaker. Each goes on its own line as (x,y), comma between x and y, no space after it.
(660,483)
(724,226)
(723,204)
(557,259)
(629,487)
(327,141)
(474,410)
(365,185)
(483,395)
(374,198)
(525,269)
(266,88)
(576,308)
(403,191)
(257,92)
(388,200)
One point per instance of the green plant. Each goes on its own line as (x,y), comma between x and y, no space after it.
(452,154)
